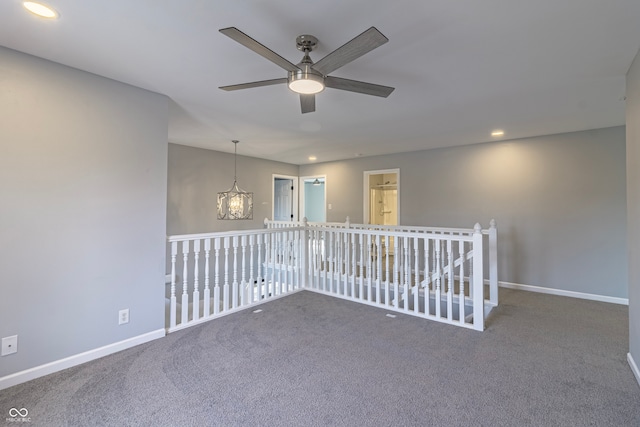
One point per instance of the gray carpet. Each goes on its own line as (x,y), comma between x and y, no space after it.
(309,359)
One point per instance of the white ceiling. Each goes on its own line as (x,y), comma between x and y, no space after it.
(460,68)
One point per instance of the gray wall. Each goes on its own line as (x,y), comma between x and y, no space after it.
(559,202)
(633,204)
(195,177)
(83,184)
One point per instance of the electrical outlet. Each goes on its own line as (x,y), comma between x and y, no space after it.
(123,316)
(9,345)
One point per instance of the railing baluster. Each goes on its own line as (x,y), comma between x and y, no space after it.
(427,279)
(386,269)
(216,289)
(369,267)
(416,271)
(378,267)
(244,300)
(234,286)
(450,281)
(471,277)
(461,300)
(325,260)
(354,264)
(274,255)
(346,264)
(281,262)
(319,256)
(225,288)
(251,285)
(337,264)
(361,293)
(207,291)
(259,279)
(172,301)
(437,268)
(313,257)
(185,284)
(331,262)
(196,282)
(288,261)
(396,272)
(407,273)
(291,258)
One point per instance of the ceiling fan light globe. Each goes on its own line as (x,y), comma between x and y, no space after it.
(306,83)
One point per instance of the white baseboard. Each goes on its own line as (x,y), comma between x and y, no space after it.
(77,359)
(562,292)
(634,367)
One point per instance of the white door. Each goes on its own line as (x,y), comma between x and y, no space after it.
(284,198)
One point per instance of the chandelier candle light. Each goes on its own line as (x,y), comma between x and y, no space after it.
(235,203)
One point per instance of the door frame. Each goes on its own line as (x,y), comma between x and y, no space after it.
(366,192)
(294,183)
(302,179)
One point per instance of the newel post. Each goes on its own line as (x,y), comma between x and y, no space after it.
(347,224)
(305,270)
(266,222)
(478,280)
(493,262)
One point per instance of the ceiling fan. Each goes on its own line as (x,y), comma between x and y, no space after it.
(308,78)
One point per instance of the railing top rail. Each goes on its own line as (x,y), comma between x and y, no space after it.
(183,237)
(347,224)
(300,223)
(467,237)
(443,230)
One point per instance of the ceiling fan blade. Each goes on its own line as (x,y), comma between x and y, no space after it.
(365,42)
(357,86)
(254,84)
(258,48)
(308,103)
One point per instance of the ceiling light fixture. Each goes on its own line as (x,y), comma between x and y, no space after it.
(306,81)
(497,132)
(40,9)
(313,158)
(235,203)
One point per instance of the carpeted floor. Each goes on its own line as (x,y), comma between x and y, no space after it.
(312,360)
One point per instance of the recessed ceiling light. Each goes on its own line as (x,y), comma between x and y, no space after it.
(40,9)
(497,132)
(313,158)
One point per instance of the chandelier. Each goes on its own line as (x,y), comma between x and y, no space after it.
(235,203)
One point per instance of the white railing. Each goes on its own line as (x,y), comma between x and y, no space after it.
(428,275)
(431,273)
(490,242)
(220,273)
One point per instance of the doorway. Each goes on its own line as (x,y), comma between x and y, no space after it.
(382,197)
(313,196)
(284,198)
